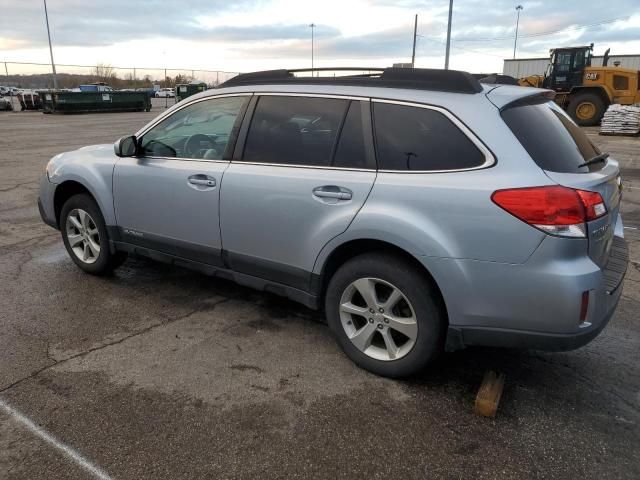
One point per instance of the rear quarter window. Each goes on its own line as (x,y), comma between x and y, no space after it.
(421,139)
(550,137)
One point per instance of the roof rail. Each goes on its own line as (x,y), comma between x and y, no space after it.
(412,78)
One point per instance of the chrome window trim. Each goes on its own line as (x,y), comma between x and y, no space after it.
(489,158)
(312,167)
(183,159)
(312,95)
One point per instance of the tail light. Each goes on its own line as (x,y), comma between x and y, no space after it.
(553,209)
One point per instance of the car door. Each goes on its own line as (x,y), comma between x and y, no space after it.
(297,180)
(167,198)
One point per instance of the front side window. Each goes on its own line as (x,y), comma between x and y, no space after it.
(414,138)
(198,131)
(294,130)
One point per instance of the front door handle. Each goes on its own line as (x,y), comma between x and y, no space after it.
(332,191)
(202,180)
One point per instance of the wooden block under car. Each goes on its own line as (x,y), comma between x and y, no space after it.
(489,394)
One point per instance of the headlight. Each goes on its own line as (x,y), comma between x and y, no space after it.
(49,167)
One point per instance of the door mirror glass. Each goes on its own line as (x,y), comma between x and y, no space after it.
(126,146)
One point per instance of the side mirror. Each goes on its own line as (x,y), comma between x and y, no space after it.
(126,146)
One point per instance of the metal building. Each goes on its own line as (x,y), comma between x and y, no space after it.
(523,67)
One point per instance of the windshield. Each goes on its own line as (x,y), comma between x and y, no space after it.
(550,137)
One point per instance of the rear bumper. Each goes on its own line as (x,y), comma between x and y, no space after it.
(460,337)
(535,305)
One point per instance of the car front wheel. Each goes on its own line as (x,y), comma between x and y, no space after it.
(385,314)
(85,237)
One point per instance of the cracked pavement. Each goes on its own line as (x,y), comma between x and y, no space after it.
(158,372)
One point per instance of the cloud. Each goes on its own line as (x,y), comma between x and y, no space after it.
(278,29)
(86,23)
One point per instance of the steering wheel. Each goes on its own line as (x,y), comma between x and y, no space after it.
(192,145)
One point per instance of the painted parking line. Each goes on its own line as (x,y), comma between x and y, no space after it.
(66,450)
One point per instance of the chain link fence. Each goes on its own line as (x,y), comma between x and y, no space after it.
(39,76)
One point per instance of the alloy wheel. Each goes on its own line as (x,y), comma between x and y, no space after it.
(378,319)
(83,235)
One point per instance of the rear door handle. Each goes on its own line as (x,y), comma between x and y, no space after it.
(332,191)
(202,180)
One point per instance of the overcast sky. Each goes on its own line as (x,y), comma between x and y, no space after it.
(246,35)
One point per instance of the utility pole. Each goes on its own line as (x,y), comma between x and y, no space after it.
(53,65)
(312,25)
(166,98)
(446,55)
(415,35)
(515,42)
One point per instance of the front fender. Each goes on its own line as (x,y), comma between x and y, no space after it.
(91,167)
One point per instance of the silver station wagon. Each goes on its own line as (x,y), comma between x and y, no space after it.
(421,210)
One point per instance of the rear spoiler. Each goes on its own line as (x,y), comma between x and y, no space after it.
(507,95)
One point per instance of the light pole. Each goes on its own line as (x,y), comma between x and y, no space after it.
(53,65)
(312,25)
(415,35)
(446,55)
(515,42)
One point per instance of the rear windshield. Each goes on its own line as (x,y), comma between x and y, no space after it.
(552,139)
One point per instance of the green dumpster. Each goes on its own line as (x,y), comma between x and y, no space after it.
(83,102)
(184,90)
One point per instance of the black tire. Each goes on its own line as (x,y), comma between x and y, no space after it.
(587,97)
(416,288)
(105,261)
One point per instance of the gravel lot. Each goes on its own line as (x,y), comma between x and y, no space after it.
(162,373)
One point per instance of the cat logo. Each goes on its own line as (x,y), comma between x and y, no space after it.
(591,76)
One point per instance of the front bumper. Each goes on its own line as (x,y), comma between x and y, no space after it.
(46,205)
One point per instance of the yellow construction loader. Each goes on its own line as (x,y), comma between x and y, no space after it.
(584,91)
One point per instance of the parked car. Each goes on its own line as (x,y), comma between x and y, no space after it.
(29,100)
(5,104)
(165,92)
(94,87)
(421,210)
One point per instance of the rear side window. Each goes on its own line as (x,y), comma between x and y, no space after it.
(550,137)
(294,130)
(413,138)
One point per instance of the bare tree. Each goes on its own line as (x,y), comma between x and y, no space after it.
(105,73)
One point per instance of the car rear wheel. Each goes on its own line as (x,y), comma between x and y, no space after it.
(85,237)
(385,314)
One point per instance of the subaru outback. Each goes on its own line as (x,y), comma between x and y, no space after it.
(422,210)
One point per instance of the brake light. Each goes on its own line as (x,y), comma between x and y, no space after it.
(593,204)
(553,209)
